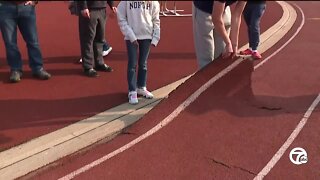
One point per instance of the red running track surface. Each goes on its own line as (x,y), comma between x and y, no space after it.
(32,108)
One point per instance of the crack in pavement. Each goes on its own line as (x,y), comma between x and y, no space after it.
(232,166)
(270,108)
(221,163)
(124,132)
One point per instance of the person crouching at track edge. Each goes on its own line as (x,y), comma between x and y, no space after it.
(140,24)
(212,22)
(92,21)
(21,14)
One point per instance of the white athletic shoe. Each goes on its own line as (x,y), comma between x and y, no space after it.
(145,93)
(106,52)
(133,97)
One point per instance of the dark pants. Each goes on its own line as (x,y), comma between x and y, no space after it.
(12,17)
(144,49)
(252,15)
(92,38)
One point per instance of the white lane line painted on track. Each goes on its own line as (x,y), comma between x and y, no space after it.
(288,142)
(286,43)
(163,123)
(173,115)
(297,130)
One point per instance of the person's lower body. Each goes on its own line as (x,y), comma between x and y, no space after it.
(92,38)
(105,51)
(252,15)
(208,44)
(12,17)
(137,82)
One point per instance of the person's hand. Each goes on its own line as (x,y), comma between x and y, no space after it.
(228,51)
(235,50)
(153,45)
(31,3)
(85,13)
(114,9)
(114,12)
(135,43)
(234,55)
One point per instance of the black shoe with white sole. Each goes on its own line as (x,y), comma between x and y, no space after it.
(91,73)
(104,68)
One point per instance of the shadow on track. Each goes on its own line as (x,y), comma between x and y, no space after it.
(234,93)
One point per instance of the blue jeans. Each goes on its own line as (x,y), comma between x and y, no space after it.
(252,15)
(144,49)
(23,17)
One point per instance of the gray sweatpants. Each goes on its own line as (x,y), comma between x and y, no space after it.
(208,43)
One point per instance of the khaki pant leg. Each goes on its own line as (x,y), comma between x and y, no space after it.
(203,36)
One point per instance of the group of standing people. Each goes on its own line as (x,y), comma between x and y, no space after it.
(215,28)
(139,22)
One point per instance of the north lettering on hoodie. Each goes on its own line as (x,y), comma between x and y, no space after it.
(139,5)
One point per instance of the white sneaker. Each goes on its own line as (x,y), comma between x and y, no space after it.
(106,52)
(133,98)
(145,93)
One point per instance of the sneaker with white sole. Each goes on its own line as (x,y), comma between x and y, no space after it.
(133,97)
(145,93)
(106,52)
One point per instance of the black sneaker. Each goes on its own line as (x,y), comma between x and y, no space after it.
(15,76)
(41,74)
(91,73)
(104,68)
